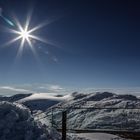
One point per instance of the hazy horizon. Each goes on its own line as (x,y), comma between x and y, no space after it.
(50,89)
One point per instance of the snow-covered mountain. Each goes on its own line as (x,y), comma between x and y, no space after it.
(84,118)
(83,110)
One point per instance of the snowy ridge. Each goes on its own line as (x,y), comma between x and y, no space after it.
(17,123)
(14,98)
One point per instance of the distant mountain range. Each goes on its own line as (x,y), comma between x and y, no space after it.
(14,98)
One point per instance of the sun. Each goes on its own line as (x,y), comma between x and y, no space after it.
(26,35)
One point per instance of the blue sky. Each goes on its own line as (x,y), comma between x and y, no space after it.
(94,44)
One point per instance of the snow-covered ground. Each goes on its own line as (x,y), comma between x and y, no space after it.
(94,136)
(17,123)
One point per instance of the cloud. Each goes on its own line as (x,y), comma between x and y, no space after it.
(11,90)
(58,89)
(55,87)
(32,88)
(124,90)
(14,89)
(52,88)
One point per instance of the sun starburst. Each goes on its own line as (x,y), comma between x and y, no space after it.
(25,35)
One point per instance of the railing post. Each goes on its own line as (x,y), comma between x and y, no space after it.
(52,116)
(64,124)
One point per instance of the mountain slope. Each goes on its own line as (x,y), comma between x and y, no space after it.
(85,118)
(14,98)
